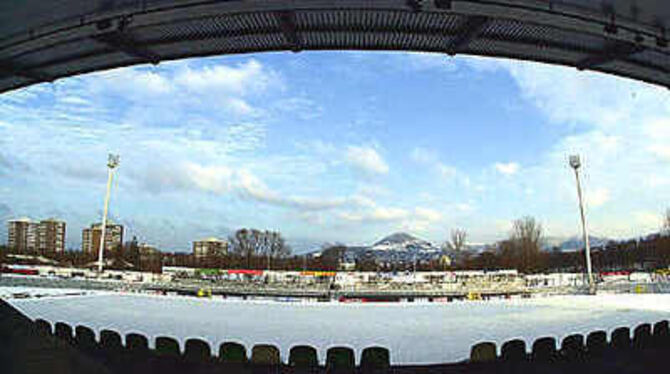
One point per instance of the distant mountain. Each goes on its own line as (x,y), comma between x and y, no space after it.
(304,246)
(401,241)
(475,247)
(573,243)
(398,237)
(396,248)
(576,243)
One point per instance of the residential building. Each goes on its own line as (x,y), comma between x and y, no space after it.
(46,236)
(209,247)
(147,252)
(150,258)
(22,235)
(90,237)
(51,236)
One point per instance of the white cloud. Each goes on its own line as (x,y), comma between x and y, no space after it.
(660,150)
(509,168)
(423,155)
(239,106)
(304,108)
(171,91)
(388,214)
(427,214)
(133,83)
(217,179)
(419,220)
(374,214)
(223,180)
(366,159)
(465,207)
(597,197)
(650,221)
(202,134)
(447,171)
(245,78)
(570,97)
(637,223)
(618,126)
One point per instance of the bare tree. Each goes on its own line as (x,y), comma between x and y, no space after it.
(241,244)
(458,237)
(526,242)
(528,231)
(277,245)
(250,243)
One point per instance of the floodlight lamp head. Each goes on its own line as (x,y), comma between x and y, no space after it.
(575,163)
(113,161)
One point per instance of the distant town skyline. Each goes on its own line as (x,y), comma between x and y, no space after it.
(337,147)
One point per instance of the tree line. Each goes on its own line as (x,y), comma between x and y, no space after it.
(522,250)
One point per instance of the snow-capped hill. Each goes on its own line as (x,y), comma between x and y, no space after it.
(576,243)
(401,241)
(573,243)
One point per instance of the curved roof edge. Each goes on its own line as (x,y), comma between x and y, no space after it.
(43,42)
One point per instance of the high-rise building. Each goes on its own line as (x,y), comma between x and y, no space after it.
(22,235)
(51,236)
(46,236)
(209,247)
(90,237)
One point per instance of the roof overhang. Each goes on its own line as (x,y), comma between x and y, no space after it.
(41,41)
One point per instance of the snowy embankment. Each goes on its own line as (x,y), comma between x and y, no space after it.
(414,332)
(38,292)
(621,302)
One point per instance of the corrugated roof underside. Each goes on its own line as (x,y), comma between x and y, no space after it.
(337,29)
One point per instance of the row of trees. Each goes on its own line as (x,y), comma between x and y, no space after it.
(247,248)
(253,243)
(523,250)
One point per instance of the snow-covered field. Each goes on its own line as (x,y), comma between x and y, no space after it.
(414,332)
(10,292)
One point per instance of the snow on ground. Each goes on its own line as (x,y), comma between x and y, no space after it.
(9,292)
(414,332)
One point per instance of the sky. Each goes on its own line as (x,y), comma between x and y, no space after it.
(337,147)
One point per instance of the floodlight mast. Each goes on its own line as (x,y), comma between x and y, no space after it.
(575,163)
(112,163)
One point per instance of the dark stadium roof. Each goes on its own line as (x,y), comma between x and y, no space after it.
(41,41)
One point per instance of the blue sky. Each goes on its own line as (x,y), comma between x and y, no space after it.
(335,146)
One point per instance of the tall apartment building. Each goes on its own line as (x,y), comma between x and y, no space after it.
(46,236)
(22,235)
(90,237)
(51,236)
(209,247)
